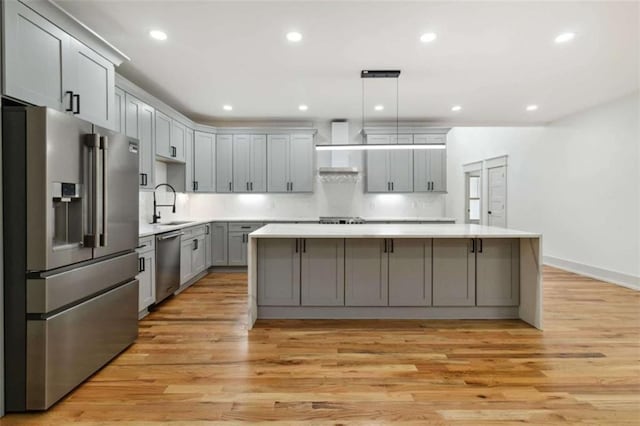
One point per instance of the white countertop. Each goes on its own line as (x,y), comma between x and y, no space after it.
(301,230)
(146,229)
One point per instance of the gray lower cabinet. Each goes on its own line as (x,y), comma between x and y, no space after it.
(237,251)
(198,257)
(498,272)
(219,244)
(322,271)
(409,272)
(224,163)
(454,265)
(146,273)
(278,272)
(366,272)
(208,241)
(186,260)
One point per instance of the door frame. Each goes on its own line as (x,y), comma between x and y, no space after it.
(492,163)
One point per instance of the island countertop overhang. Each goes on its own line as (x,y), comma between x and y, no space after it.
(301,230)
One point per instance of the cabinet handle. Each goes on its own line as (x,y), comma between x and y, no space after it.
(391,245)
(384,250)
(229,186)
(172,151)
(304,245)
(480,249)
(247,185)
(388,187)
(141,179)
(473,245)
(141,265)
(195,245)
(392,186)
(251,185)
(70,93)
(296,245)
(146,179)
(77,98)
(207,229)
(291,183)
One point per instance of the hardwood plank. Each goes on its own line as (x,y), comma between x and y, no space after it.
(195,363)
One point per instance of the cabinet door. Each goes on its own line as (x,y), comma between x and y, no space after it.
(278,163)
(422,171)
(237,250)
(378,166)
(438,170)
(208,241)
(241,162)
(301,166)
(454,282)
(224,163)
(36,55)
(258,165)
(322,272)
(400,166)
(278,272)
(93,80)
(186,257)
(219,244)
(178,140)
(198,256)
(366,272)
(146,277)
(132,116)
(163,135)
(498,272)
(120,110)
(204,162)
(409,272)
(146,137)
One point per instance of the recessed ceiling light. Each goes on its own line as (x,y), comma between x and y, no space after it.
(158,35)
(294,36)
(227,107)
(303,107)
(378,107)
(565,37)
(532,107)
(456,108)
(428,37)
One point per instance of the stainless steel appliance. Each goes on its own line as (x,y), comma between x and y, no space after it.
(341,220)
(70,230)
(167,264)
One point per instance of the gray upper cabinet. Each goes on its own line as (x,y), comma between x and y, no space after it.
(322,271)
(93,85)
(163,134)
(430,166)
(278,272)
(454,266)
(120,110)
(139,124)
(249,163)
(224,163)
(409,272)
(498,272)
(219,244)
(45,66)
(188,160)
(366,272)
(392,170)
(204,170)
(178,146)
(290,163)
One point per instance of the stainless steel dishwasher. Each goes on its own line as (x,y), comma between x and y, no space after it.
(167,264)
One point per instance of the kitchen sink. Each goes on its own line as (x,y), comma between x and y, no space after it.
(176,222)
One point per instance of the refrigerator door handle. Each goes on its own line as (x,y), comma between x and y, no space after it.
(104,146)
(93,143)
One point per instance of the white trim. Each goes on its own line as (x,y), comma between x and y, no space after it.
(476,166)
(613,277)
(500,161)
(267,130)
(403,130)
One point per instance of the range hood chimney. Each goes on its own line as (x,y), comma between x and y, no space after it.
(340,163)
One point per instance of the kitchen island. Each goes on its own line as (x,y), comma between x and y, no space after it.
(394,271)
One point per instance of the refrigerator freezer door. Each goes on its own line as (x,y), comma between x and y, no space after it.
(118,198)
(65,349)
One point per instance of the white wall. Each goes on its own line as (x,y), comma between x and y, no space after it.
(576,181)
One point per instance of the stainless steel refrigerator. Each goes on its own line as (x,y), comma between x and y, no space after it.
(70,231)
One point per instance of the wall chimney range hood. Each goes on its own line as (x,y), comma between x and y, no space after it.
(340,161)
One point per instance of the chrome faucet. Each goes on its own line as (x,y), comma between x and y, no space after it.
(156,217)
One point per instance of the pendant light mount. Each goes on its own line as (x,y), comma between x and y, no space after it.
(379,73)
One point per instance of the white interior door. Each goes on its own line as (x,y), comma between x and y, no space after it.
(497,205)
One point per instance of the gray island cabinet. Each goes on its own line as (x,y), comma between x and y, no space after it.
(394,271)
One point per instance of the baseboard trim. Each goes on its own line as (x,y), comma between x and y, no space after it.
(613,277)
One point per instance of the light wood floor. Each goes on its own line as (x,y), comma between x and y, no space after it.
(195,362)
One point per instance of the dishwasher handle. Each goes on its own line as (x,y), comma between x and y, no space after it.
(170,236)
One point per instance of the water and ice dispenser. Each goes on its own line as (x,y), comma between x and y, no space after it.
(68,218)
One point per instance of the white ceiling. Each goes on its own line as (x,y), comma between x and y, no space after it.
(492,58)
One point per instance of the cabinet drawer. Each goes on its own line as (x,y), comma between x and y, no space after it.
(246,227)
(146,243)
(193,232)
